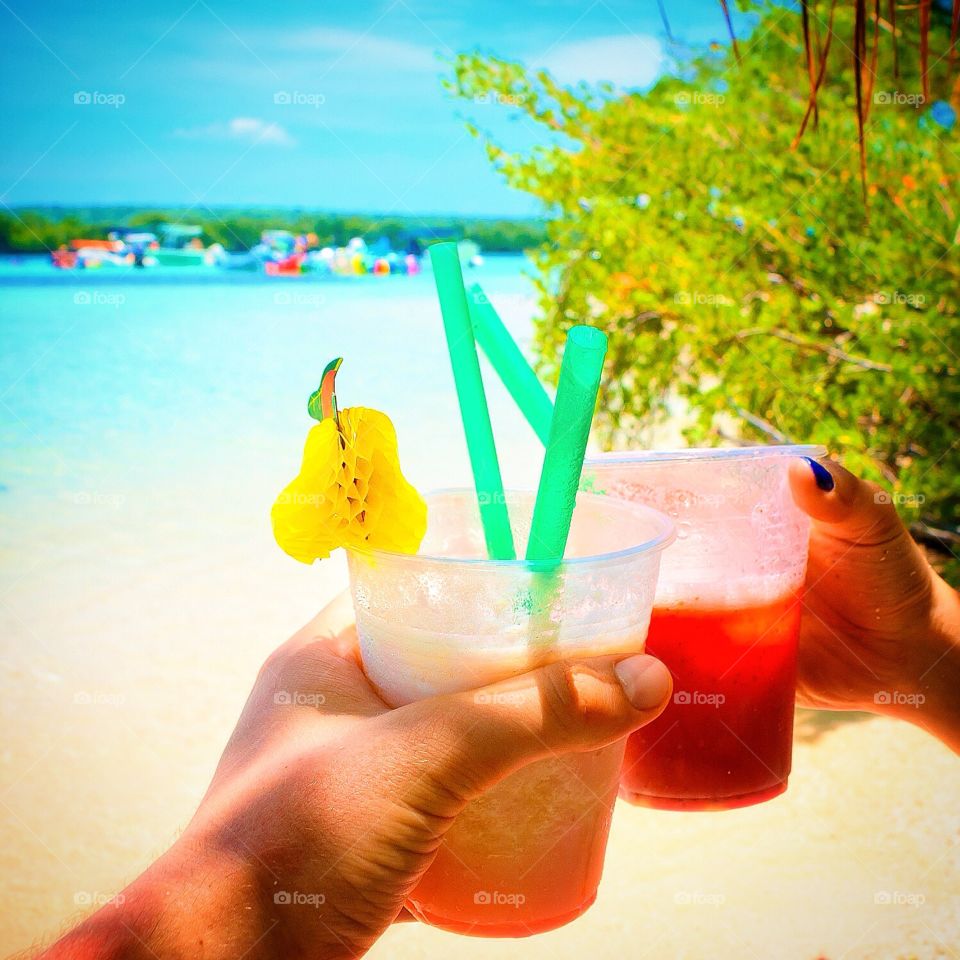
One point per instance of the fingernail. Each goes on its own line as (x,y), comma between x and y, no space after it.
(821,474)
(645,681)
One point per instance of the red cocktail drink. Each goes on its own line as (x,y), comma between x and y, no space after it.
(725,740)
(726,620)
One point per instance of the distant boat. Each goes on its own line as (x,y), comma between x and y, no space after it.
(289,267)
(63,258)
(357,259)
(114,246)
(184,257)
(180,234)
(280,253)
(92,254)
(141,243)
(96,258)
(123,247)
(181,246)
(240,261)
(469,253)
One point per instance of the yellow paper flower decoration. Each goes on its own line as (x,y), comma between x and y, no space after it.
(350,491)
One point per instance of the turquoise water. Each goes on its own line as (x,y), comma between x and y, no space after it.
(147,422)
(110,380)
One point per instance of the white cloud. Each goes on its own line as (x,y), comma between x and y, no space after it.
(627,60)
(247,129)
(373,50)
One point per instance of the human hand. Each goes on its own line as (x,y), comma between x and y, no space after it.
(880,629)
(336,803)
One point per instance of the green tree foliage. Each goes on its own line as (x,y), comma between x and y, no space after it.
(743,274)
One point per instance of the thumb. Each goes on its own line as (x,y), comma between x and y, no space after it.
(849,508)
(474,739)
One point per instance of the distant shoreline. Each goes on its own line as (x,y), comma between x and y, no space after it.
(30,269)
(40,228)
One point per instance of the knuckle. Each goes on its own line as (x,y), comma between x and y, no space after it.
(285,668)
(566,705)
(273,667)
(882,501)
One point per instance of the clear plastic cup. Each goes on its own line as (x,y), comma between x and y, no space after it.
(725,621)
(527,855)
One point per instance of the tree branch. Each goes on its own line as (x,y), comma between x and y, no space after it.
(834,352)
(764,426)
(945,541)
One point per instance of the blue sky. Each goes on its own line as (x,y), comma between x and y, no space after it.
(330,105)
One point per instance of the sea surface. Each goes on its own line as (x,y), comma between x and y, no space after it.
(146,423)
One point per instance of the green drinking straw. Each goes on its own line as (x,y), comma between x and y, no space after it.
(473,402)
(580,374)
(511,366)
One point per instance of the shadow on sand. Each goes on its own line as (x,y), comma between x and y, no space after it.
(811,725)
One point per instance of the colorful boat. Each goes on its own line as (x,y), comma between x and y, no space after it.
(185,257)
(240,261)
(91,255)
(357,259)
(181,246)
(141,243)
(280,253)
(469,253)
(110,245)
(291,266)
(64,258)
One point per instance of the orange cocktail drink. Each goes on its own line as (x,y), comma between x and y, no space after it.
(527,855)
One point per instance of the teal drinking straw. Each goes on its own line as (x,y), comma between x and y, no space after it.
(511,366)
(473,402)
(580,374)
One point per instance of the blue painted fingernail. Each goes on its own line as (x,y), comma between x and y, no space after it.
(821,474)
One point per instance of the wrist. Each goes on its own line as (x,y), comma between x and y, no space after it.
(934,703)
(195,900)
